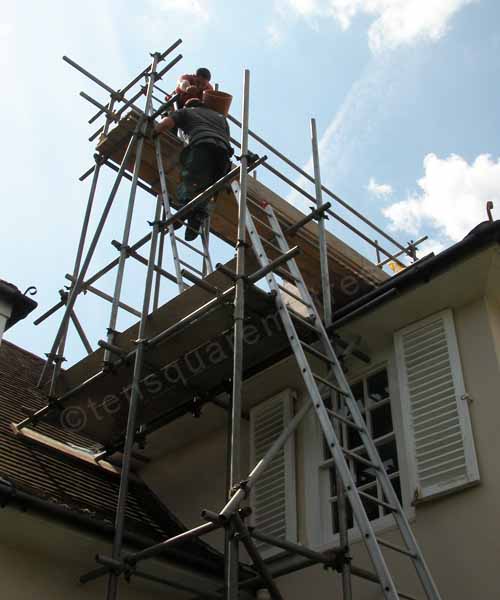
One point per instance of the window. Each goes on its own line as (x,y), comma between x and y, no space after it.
(373,397)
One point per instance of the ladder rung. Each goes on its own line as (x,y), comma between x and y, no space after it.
(360,459)
(264,224)
(270,244)
(406,596)
(289,293)
(304,321)
(396,548)
(284,274)
(190,246)
(331,385)
(317,353)
(348,422)
(190,267)
(257,204)
(377,501)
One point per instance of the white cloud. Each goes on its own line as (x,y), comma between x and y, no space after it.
(380,190)
(368,100)
(452,199)
(395,22)
(187,19)
(275,34)
(199,10)
(429,246)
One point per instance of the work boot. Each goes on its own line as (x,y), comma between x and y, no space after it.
(194,223)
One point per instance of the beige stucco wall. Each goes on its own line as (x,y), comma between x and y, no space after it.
(458,533)
(42,559)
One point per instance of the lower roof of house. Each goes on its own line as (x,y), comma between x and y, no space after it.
(77,490)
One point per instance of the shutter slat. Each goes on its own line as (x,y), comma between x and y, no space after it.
(454,443)
(429,407)
(437,415)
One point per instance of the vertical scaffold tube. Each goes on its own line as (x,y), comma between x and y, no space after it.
(232,558)
(327,315)
(130,210)
(135,397)
(112,587)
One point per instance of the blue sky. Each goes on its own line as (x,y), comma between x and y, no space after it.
(405,93)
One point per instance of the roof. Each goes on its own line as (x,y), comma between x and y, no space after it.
(21,304)
(76,488)
(482,236)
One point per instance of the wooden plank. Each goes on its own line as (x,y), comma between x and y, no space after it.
(352,274)
(200,359)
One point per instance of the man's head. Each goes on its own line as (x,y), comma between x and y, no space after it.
(204,75)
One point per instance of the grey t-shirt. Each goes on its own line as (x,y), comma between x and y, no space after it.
(202,124)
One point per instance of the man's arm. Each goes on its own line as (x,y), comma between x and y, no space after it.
(166,123)
(170,122)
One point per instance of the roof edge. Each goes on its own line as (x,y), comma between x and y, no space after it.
(21,305)
(485,234)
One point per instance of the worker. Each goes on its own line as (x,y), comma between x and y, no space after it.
(204,160)
(192,86)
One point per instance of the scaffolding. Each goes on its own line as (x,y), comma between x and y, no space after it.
(233,290)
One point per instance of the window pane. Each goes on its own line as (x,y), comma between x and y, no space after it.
(381,420)
(333,482)
(353,438)
(378,386)
(396,484)
(358,393)
(372,509)
(389,456)
(363,473)
(335,517)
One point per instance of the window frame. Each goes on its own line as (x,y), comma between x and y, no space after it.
(318,514)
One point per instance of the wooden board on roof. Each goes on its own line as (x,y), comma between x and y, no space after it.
(351,273)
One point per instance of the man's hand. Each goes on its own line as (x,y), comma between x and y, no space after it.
(166,123)
(192,89)
(183,85)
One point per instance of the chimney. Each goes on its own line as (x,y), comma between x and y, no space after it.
(14,306)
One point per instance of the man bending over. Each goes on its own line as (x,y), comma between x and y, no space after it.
(204,160)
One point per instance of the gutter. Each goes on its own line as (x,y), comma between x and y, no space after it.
(485,234)
(10,494)
(21,305)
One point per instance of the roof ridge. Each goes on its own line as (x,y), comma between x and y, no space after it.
(23,350)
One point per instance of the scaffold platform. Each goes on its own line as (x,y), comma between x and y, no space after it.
(343,260)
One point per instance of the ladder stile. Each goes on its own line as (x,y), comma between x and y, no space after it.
(168,214)
(336,380)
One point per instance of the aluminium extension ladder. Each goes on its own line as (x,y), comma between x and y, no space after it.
(174,238)
(336,381)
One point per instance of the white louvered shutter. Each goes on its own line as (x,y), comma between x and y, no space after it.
(435,406)
(273,497)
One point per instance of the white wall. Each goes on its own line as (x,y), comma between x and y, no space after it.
(5,312)
(457,533)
